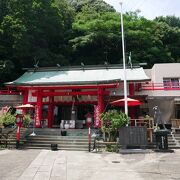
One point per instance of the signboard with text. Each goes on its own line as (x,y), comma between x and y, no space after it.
(36,118)
(97,119)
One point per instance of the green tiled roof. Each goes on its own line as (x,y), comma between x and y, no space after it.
(79,76)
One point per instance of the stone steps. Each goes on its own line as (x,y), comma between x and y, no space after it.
(64,148)
(11,140)
(56,141)
(57,132)
(60,145)
(76,140)
(57,137)
(173,141)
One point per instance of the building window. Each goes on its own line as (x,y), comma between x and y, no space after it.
(171,82)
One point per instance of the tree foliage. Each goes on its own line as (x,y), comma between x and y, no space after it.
(34,30)
(96,37)
(67,32)
(7,119)
(112,121)
(98,5)
(172,21)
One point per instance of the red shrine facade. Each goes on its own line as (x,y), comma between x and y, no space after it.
(75,94)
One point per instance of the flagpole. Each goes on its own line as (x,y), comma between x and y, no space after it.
(124,62)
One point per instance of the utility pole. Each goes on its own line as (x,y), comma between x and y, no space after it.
(124,63)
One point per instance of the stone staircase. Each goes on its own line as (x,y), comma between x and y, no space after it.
(8,137)
(171,142)
(75,139)
(174,140)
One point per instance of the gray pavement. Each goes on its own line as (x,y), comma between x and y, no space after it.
(73,165)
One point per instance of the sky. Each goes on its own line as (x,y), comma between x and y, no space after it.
(149,8)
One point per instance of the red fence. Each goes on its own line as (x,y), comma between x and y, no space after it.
(9,91)
(150,86)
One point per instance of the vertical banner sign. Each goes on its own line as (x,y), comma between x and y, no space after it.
(36,118)
(97,119)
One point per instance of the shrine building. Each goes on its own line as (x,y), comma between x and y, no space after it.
(71,93)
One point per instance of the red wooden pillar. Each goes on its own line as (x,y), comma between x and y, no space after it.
(50,111)
(25,97)
(38,115)
(100,102)
(132,114)
(131,89)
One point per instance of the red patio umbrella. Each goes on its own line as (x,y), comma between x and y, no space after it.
(130,102)
(25,106)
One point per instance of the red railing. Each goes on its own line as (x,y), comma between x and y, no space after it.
(9,91)
(143,86)
(150,86)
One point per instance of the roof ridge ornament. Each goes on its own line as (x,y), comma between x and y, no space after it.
(58,65)
(82,65)
(106,64)
(36,62)
(130,61)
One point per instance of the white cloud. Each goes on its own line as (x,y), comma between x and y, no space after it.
(149,8)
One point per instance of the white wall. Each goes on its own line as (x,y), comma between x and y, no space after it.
(157,73)
(168,70)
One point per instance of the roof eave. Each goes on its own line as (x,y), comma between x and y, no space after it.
(73,83)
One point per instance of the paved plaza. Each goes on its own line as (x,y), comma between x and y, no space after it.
(73,165)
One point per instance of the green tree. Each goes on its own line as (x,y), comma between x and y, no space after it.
(170,35)
(172,21)
(98,5)
(143,39)
(96,37)
(34,30)
(71,31)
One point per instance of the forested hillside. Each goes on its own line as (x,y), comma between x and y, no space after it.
(68,32)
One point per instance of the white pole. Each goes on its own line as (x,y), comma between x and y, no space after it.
(124,62)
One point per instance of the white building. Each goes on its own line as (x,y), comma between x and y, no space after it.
(163,90)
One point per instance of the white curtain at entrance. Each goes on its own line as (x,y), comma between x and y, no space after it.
(55,110)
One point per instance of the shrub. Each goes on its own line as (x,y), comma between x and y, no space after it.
(1,122)
(7,119)
(26,120)
(112,121)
